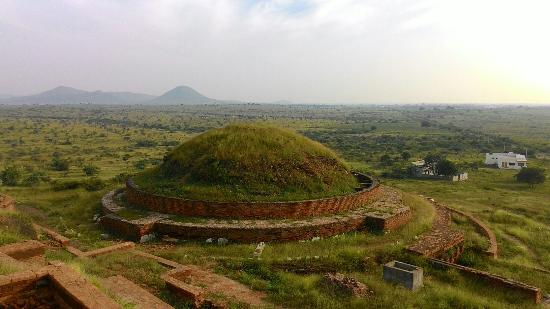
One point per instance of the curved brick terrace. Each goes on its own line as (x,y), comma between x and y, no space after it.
(254,210)
(385,213)
(492,250)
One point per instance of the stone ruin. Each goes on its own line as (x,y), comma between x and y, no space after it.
(252,222)
(347,285)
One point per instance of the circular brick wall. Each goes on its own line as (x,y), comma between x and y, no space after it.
(254,210)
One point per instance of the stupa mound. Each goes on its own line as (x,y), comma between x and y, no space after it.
(246,162)
(249,183)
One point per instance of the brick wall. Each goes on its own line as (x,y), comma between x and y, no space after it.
(389,223)
(481,228)
(248,234)
(523,289)
(253,210)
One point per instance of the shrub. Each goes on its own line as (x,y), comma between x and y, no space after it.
(141,164)
(146,143)
(531,175)
(446,168)
(59,164)
(65,185)
(94,184)
(32,180)
(10,176)
(121,178)
(90,170)
(386,160)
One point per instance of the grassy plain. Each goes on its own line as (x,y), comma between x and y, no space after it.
(125,140)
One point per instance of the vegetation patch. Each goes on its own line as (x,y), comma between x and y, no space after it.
(15,227)
(245,162)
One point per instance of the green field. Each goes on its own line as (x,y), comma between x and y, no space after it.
(119,141)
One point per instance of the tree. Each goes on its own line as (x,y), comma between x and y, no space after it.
(446,168)
(32,180)
(531,175)
(59,164)
(10,176)
(405,155)
(431,161)
(386,160)
(90,170)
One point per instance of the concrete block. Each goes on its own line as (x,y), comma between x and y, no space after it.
(406,274)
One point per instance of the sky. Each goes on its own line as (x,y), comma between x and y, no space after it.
(308,51)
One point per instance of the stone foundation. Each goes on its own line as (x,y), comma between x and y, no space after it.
(253,230)
(23,250)
(56,286)
(202,288)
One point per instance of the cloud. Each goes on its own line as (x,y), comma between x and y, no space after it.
(260,50)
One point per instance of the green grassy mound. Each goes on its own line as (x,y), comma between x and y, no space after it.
(246,162)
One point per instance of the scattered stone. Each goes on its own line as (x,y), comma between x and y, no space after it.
(147,238)
(259,249)
(105,236)
(96,217)
(222,241)
(169,239)
(316,238)
(347,285)
(546,299)
(209,240)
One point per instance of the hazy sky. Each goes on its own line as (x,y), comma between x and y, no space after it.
(356,51)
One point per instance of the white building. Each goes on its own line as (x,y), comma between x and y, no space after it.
(508,160)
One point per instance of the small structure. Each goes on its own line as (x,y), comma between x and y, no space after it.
(421,170)
(507,160)
(406,274)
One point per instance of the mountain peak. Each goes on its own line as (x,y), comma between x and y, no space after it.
(182,95)
(63,90)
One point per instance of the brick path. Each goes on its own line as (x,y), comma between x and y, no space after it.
(441,238)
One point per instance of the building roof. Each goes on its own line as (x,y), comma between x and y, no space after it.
(517,156)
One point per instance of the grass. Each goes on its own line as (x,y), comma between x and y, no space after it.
(518,214)
(111,138)
(15,227)
(250,162)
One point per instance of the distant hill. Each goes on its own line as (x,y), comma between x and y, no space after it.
(4,96)
(182,95)
(68,95)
